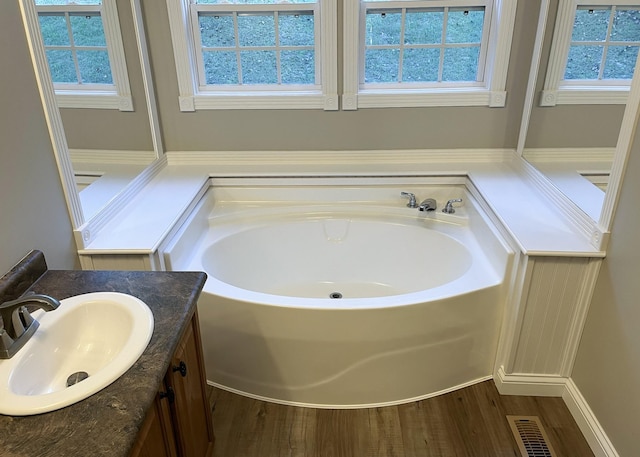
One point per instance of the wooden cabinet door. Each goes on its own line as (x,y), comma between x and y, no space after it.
(192,416)
(156,438)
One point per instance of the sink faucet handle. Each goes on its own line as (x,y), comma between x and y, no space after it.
(448,208)
(412,199)
(16,318)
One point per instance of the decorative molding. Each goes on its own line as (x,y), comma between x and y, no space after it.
(272,100)
(497,99)
(87,232)
(592,96)
(349,102)
(504,22)
(93,100)
(560,45)
(369,98)
(337,157)
(587,422)
(187,103)
(549,97)
(329,53)
(331,102)
(529,384)
(578,218)
(115,48)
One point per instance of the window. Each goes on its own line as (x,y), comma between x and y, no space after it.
(593,54)
(84,53)
(255,53)
(426,52)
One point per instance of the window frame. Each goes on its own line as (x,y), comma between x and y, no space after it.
(490,92)
(558,91)
(195,96)
(99,96)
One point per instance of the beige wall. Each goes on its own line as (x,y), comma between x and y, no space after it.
(388,128)
(607,369)
(33,213)
(415,128)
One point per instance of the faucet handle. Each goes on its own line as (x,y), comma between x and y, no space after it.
(448,208)
(412,199)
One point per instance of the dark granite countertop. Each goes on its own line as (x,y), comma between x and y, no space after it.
(107,423)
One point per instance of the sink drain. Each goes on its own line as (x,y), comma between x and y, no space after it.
(335,295)
(76,377)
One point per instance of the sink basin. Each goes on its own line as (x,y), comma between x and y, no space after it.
(79,349)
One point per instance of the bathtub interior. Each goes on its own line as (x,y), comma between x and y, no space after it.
(330,353)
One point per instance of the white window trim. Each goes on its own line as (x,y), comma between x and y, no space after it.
(191,98)
(118,97)
(492,94)
(554,92)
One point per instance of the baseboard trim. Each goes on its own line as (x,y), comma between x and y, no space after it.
(587,421)
(524,384)
(558,386)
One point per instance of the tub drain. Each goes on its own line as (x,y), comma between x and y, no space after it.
(335,295)
(76,377)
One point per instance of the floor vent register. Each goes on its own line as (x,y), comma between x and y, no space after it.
(530,436)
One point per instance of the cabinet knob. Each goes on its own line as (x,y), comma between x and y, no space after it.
(170,394)
(182,368)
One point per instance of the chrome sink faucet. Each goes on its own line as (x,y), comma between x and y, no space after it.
(18,324)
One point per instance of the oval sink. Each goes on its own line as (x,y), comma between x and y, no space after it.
(79,349)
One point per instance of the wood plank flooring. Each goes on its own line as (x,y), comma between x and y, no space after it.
(470,422)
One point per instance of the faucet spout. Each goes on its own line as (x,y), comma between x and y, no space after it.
(15,316)
(428,205)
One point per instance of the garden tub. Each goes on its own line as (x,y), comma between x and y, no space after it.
(343,304)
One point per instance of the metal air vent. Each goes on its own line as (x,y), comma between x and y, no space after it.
(530,436)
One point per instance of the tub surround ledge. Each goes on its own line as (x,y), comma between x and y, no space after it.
(107,423)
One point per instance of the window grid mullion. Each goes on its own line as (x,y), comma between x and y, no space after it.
(236,34)
(607,43)
(401,51)
(72,47)
(443,40)
(276,25)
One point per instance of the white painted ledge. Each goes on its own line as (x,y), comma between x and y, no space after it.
(536,224)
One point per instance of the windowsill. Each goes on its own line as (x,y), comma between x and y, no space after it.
(93,99)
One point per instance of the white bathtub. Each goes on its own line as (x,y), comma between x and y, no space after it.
(343,304)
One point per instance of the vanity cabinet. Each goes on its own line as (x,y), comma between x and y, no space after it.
(179,423)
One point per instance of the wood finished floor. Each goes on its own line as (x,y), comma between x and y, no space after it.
(470,422)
